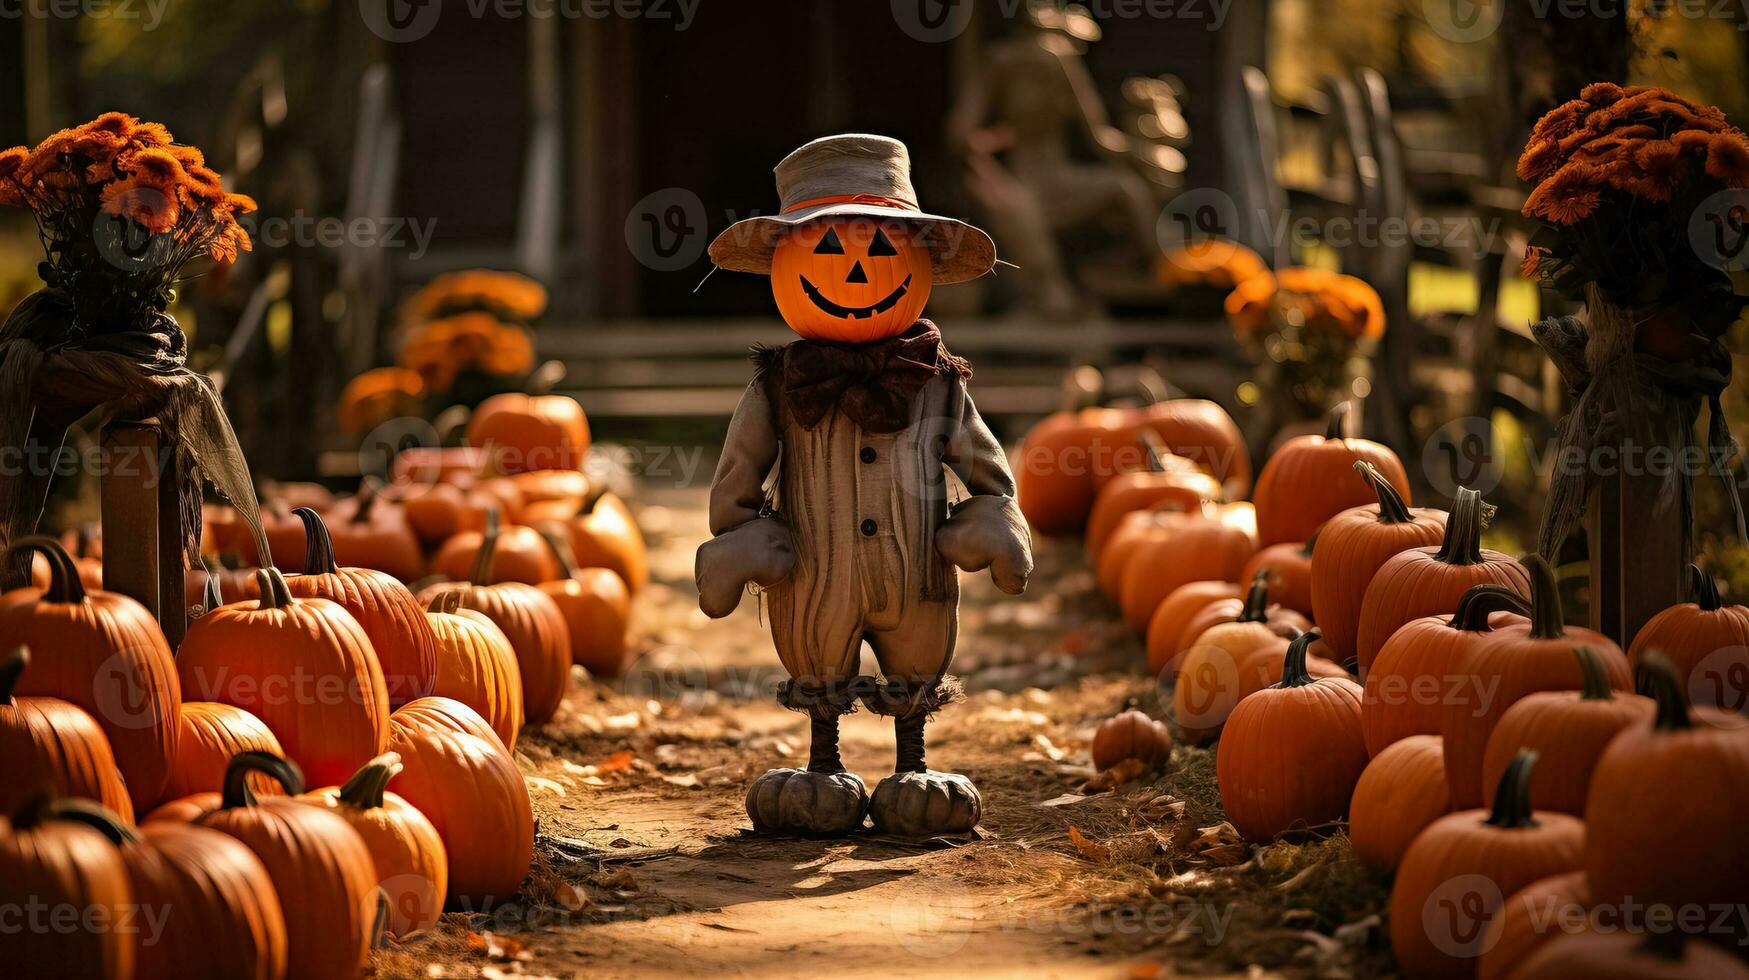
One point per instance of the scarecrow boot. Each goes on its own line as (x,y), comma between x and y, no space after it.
(916,801)
(822,799)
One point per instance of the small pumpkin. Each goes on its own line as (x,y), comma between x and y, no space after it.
(1401,791)
(1261,667)
(320,868)
(1353,545)
(1630,956)
(522,432)
(1208,683)
(1289,566)
(1569,731)
(1291,754)
(1706,641)
(1664,812)
(606,535)
(474,796)
(532,622)
(596,605)
(476,665)
(1166,627)
(305,667)
(1191,547)
(48,742)
(544,486)
(400,635)
(1054,478)
(188,809)
(1429,581)
(1169,481)
(1281,621)
(515,554)
(212,735)
(220,914)
(1132,735)
(52,864)
(1457,872)
(1533,915)
(412,867)
(105,653)
(1195,429)
(1308,481)
(1414,673)
(1509,663)
(365,532)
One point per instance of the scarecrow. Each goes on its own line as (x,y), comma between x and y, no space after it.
(831,500)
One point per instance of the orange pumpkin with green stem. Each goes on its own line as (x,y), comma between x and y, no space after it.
(48,742)
(596,605)
(411,864)
(1168,480)
(1290,572)
(105,653)
(476,665)
(1706,641)
(1309,480)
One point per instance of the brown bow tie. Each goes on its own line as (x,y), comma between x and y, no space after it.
(873,384)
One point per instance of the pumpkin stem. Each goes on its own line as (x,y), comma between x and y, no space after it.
(318,544)
(1256,600)
(482,574)
(1704,590)
(1594,683)
(1658,678)
(1463,530)
(367,495)
(1483,601)
(1293,666)
(92,814)
(1155,451)
(560,545)
(1512,797)
(64,584)
(237,792)
(1338,416)
(275,593)
(1311,542)
(10,670)
(366,787)
(1392,510)
(1547,622)
(447,602)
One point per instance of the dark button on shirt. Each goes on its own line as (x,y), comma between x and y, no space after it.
(868,454)
(869,527)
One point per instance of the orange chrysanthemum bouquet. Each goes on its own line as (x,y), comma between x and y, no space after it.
(121,209)
(1308,329)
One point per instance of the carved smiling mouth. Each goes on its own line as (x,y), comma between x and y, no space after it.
(856,312)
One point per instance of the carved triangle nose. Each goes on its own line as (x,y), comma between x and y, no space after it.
(856,274)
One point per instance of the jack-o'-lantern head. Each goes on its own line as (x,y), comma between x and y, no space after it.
(852,280)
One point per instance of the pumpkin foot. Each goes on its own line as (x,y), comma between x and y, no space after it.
(797,801)
(926,804)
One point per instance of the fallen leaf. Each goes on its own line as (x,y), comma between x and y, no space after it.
(496,947)
(1116,776)
(569,897)
(689,780)
(1067,799)
(1088,848)
(544,785)
(620,723)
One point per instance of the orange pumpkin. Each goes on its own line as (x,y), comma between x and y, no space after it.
(1597,955)
(188,809)
(1706,641)
(378,395)
(1430,580)
(212,735)
(48,742)
(368,533)
(412,867)
(596,605)
(1054,478)
(444,714)
(1190,548)
(1131,735)
(1568,730)
(321,869)
(546,486)
(1289,566)
(1351,547)
(1169,482)
(1508,664)
(517,554)
(400,635)
(605,535)
(474,796)
(103,652)
(1457,873)
(1261,667)
(851,280)
(220,915)
(522,432)
(1664,813)
(1291,754)
(1209,672)
(533,623)
(1414,673)
(1282,622)
(1401,791)
(476,666)
(50,864)
(303,666)
(1166,627)
(1308,481)
(1533,915)
(1195,429)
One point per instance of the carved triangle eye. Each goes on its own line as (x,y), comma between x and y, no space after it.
(880,245)
(829,245)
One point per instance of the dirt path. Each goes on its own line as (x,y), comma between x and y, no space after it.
(646,865)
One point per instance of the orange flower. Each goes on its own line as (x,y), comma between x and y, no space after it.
(1727,158)
(1213,261)
(150,205)
(508,293)
(230,240)
(1540,158)
(378,395)
(156,165)
(1533,258)
(1600,93)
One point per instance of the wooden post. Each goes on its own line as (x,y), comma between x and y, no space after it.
(142,523)
(1639,552)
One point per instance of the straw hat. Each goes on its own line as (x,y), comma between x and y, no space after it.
(853,175)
